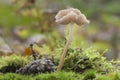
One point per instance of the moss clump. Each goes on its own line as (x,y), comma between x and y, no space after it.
(47,76)
(110,76)
(116,76)
(59,76)
(13,76)
(12,63)
(80,60)
(89,75)
(102,77)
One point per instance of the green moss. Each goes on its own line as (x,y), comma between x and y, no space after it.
(89,75)
(59,76)
(80,60)
(110,76)
(102,78)
(12,63)
(13,76)
(48,76)
(116,76)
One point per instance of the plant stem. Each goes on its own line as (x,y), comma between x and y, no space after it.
(33,52)
(62,59)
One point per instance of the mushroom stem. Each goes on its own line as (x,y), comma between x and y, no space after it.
(62,59)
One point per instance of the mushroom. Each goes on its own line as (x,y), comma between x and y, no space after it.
(66,16)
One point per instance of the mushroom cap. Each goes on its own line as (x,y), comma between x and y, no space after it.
(68,18)
(61,13)
(81,20)
(71,15)
(77,11)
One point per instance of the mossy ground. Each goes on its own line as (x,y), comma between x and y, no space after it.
(61,76)
(80,64)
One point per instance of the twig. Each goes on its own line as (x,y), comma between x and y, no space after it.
(33,52)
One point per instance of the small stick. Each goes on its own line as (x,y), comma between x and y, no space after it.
(33,52)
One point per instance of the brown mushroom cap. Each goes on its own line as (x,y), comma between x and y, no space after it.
(71,15)
(77,11)
(81,20)
(61,13)
(68,18)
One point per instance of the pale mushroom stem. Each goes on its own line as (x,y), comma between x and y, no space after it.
(62,59)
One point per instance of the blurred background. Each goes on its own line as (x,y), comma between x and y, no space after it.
(23,22)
